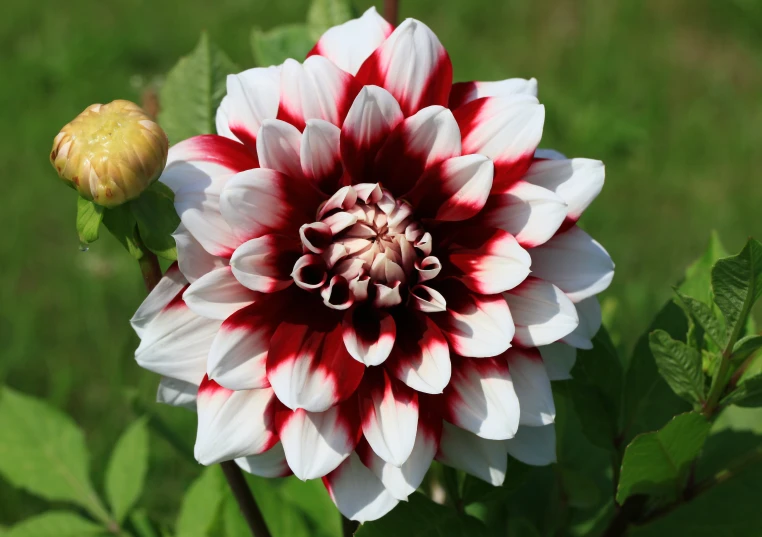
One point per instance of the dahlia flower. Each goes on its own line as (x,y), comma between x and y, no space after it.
(376,269)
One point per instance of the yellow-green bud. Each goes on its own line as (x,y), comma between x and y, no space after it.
(110,153)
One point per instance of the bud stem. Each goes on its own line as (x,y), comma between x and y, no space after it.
(151,270)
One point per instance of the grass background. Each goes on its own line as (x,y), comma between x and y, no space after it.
(668,93)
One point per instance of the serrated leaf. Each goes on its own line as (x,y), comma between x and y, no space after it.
(201,504)
(737,284)
(324,14)
(55,524)
(703,315)
(679,365)
(698,277)
(656,463)
(43,451)
(126,471)
(421,517)
(281,43)
(89,218)
(157,219)
(748,393)
(745,347)
(122,225)
(596,388)
(648,401)
(193,91)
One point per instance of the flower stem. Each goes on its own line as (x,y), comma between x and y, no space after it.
(348,527)
(246,503)
(151,270)
(391,11)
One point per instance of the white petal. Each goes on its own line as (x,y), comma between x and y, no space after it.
(193,259)
(309,366)
(589,312)
(238,356)
(421,357)
(320,155)
(413,65)
(315,89)
(233,424)
(178,393)
(372,116)
(218,294)
(389,415)
(369,334)
(530,213)
(358,493)
(271,463)
(541,311)
(169,287)
(349,44)
(559,360)
(264,264)
(455,190)
(315,443)
(476,325)
(532,385)
(197,171)
(482,458)
(176,342)
(465,92)
(534,445)
(574,262)
(488,260)
(481,398)
(577,181)
(278,147)
(253,97)
(402,481)
(506,129)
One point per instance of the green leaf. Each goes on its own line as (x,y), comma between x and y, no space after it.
(421,517)
(656,463)
(705,318)
(141,523)
(648,401)
(235,524)
(89,218)
(55,524)
(157,219)
(698,277)
(201,504)
(745,347)
(43,451)
(679,365)
(737,284)
(324,14)
(730,509)
(596,389)
(296,508)
(126,471)
(748,393)
(193,91)
(122,225)
(281,43)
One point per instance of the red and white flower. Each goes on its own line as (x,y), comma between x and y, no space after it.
(369,258)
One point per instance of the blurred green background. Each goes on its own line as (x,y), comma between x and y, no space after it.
(668,93)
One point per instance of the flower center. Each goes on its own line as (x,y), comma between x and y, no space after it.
(365,245)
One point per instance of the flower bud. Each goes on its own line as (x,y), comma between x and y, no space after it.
(110,153)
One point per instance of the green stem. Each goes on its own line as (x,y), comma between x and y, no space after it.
(151,270)
(720,379)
